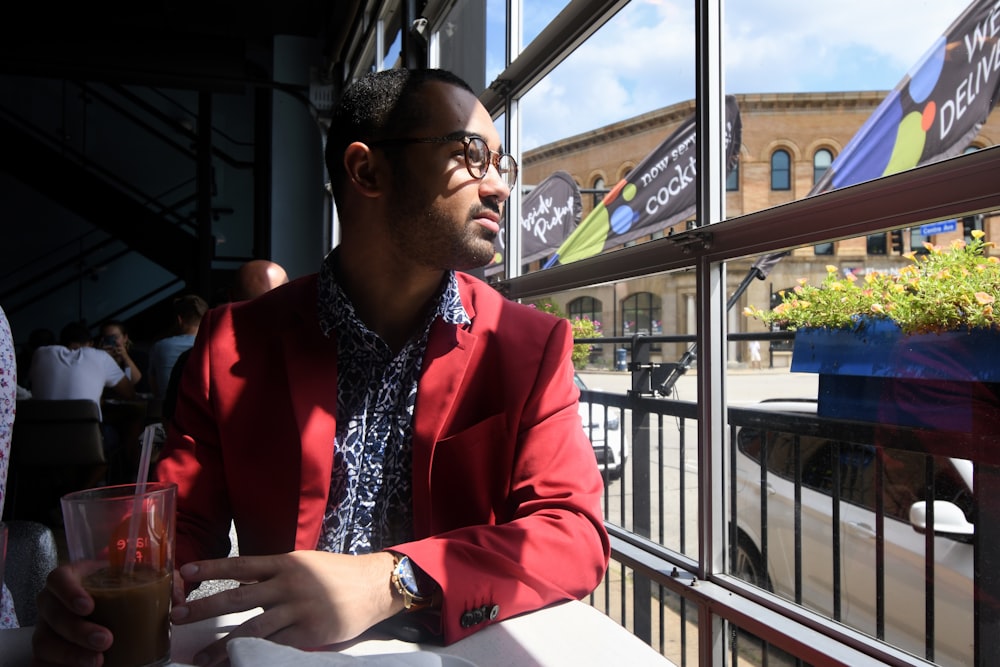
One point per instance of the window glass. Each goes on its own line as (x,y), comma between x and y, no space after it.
(781,170)
(463,47)
(821,162)
(585,307)
(496,38)
(733,178)
(876,244)
(567,117)
(641,314)
(827,53)
(535,15)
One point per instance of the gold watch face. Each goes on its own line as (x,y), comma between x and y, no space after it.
(407,580)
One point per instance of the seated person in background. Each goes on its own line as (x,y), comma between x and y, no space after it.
(8,398)
(36,339)
(395,441)
(188,311)
(115,341)
(76,369)
(253,279)
(256,277)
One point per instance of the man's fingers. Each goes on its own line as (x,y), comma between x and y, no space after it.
(78,644)
(244,569)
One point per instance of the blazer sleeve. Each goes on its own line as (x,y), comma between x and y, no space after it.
(546,540)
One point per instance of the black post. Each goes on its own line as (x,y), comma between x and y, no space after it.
(641,484)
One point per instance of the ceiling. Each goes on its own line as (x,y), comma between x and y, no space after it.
(200,44)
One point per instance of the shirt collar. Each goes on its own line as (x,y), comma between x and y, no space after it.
(336,309)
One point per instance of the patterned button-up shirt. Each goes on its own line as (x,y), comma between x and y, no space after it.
(371,491)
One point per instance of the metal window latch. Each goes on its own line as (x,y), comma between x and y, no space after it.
(692,238)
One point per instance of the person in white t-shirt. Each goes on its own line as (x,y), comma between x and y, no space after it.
(76,369)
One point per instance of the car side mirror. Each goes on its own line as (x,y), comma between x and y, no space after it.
(949,521)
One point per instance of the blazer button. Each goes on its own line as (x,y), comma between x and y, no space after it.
(494,612)
(468,620)
(477,615)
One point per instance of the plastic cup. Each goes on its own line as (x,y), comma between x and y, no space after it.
(132,599)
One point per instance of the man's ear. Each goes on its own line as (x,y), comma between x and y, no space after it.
(363,169)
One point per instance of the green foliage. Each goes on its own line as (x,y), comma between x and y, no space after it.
(584,328)
(944,290)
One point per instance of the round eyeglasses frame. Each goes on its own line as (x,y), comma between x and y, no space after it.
(478,155)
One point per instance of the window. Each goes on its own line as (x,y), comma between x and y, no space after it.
(781,170)
(823,249)
(733,178)
(876,244)
(599,190)
(821,162)
(641,314)
(585,307)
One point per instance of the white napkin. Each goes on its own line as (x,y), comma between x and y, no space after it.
(255,652)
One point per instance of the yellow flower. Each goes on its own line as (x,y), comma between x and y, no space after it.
(983,298)
(978,234)
(830,268)
(877,308)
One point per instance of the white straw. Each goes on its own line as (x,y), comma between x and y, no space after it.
(140,489)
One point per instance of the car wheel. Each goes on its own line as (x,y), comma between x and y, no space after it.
(749,566)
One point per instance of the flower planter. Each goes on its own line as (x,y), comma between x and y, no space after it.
(875,373)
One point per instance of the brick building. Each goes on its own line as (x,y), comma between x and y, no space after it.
(810,129)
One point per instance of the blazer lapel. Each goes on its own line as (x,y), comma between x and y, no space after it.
(449,350)
(311,367)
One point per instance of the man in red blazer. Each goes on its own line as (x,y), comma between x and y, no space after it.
(498,510)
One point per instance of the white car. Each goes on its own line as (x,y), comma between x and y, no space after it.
(603,425)
(825,465)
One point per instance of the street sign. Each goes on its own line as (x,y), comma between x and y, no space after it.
(938,227)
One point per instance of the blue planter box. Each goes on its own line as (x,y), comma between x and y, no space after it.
(874,373)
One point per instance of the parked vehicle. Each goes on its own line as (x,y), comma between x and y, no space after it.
(828,468)
(603,426)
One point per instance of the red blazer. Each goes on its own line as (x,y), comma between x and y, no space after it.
(506,491)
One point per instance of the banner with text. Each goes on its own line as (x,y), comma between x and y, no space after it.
(658,193)
(548,215)
(936,110)
(932,114)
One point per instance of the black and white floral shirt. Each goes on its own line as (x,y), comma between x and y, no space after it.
(371,491)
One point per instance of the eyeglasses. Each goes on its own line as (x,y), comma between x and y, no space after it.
(478,156)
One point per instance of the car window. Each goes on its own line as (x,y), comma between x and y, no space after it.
(850,467)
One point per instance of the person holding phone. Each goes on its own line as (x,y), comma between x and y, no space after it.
(115,341)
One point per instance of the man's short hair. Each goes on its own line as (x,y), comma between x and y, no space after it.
(74,332)
(378,105)
(190,308)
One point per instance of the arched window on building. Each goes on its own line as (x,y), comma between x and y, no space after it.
(641,314)
(599,191)
(781,170)
(585,307)
(821,163)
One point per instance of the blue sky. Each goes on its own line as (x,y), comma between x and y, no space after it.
(643,59)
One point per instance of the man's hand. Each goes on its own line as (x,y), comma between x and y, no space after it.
(63,635)
(310,598)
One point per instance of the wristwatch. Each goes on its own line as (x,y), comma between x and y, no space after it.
(405,582)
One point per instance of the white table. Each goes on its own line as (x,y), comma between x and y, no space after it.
(571,633)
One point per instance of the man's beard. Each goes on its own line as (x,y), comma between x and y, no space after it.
(431,237)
